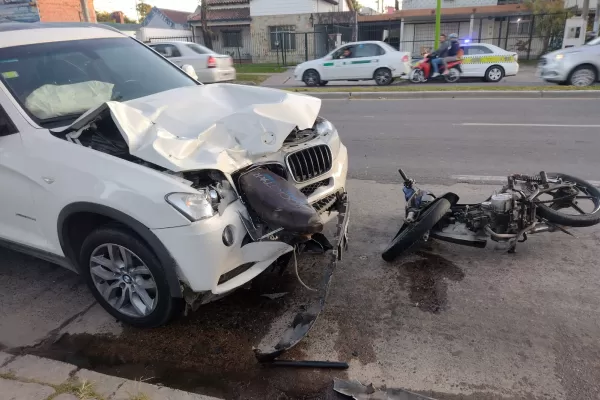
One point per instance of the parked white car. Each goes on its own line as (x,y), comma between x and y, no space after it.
(489,62)
(209,66)
(576,66)
(116,164)
(360,61)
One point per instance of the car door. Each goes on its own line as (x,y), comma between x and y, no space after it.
(340,66)
(18,215)
(473,61)
(367,58)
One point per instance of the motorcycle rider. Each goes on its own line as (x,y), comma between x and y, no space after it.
(440,53)
(452,54)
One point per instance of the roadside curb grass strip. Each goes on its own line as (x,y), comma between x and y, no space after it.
(444,88)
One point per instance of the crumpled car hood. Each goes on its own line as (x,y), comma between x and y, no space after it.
(219,126)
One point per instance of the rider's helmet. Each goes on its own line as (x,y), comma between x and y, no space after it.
(453,36)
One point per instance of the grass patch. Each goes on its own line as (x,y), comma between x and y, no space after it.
(444,88)
(81,390)
(250,78)
(259,68)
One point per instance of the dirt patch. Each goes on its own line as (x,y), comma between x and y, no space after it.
(426,279)
(208,352)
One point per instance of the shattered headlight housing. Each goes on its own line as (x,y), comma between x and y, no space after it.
(327,130)
(195,206)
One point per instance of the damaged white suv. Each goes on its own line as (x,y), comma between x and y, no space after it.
(118,165)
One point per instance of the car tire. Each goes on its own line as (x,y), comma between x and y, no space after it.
(582,76)
(383,77)
(323,83)
(126,278)
(311,78)
(494,74)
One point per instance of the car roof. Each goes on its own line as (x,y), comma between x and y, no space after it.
(364,42)
(43,32)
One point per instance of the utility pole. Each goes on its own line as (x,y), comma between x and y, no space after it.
(85,10)
(585,11)
(597,19)
(438,22)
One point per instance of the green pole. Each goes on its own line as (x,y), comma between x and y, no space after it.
(438,21)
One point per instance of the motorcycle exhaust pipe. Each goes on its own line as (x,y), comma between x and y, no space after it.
(532,229)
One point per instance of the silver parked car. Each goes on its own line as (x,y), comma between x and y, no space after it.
(210,67)
(577,66)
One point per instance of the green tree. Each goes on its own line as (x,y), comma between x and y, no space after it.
(143,9)
(550,18)
(357,6)
(104,16)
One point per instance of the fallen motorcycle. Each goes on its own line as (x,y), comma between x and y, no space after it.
(526,205)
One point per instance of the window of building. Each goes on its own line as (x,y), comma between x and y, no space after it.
(519,25)
(282,37)
(232,38)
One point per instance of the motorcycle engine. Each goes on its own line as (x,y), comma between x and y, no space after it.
(496,212)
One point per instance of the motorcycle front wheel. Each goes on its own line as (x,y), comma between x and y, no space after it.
(411,233)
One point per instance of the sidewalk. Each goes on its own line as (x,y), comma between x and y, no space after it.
(33,378)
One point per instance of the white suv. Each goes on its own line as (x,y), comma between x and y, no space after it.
(118,165)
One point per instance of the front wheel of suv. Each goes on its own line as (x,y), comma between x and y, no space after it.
(126,278)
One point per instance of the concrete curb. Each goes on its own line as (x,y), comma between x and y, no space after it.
(34,378)
(475,94)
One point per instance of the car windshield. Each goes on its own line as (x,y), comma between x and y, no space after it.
(59,81)
(593,42)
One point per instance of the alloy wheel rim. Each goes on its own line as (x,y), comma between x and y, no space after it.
(311,78)
(583,77)
(495,74)
(382,77)
(123,280)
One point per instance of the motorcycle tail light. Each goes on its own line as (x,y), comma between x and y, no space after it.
(405,58)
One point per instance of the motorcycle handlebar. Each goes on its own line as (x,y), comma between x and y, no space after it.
(403,175)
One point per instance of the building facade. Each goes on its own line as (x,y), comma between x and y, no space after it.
(44,11)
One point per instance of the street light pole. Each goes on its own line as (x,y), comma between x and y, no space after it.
(438,21)
(86,11)
(597,19)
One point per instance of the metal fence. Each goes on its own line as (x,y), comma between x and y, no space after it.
(528,35)
(280,45)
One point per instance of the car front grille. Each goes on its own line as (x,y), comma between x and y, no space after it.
(310,163)
(310,189)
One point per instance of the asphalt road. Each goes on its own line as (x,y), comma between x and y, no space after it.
(439,140)
(450,322)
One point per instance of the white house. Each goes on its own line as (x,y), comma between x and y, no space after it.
(162,24)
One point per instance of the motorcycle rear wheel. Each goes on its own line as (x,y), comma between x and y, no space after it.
(453,75)
(410,234)
(417,76)
(554,215)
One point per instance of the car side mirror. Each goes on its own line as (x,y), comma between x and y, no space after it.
(188,69)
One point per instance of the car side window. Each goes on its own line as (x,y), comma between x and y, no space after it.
(477,50)
(167,50)
(6,125)
(340,53)
(368,50)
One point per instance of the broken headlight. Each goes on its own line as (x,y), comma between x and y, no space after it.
(327,130)
(195,206)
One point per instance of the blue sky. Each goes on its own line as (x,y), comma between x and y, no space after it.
(128,6)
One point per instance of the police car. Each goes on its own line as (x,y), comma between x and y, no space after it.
(482,60)
(359,61)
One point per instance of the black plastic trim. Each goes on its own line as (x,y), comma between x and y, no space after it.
(41,254)
(165,258)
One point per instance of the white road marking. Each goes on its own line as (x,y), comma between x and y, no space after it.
(494,179)
(528,125)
